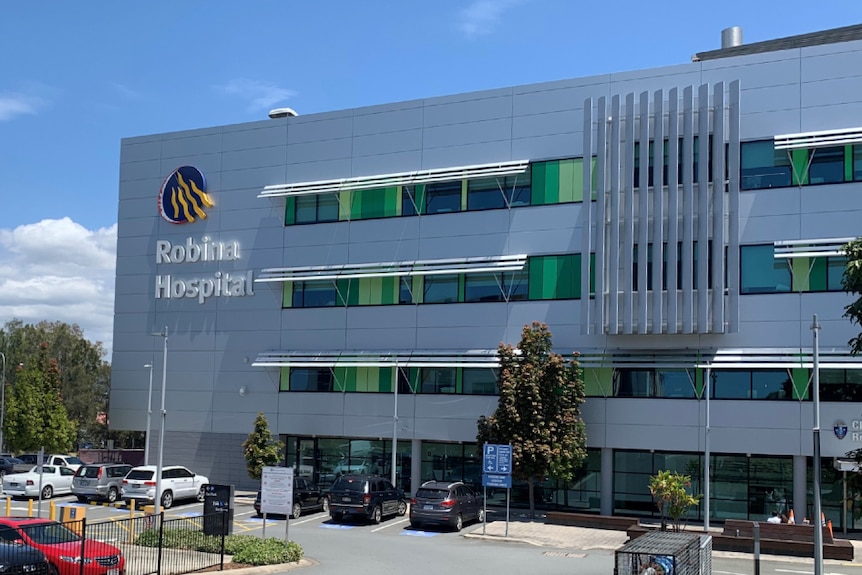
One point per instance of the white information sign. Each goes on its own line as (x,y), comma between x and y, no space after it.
(276,490)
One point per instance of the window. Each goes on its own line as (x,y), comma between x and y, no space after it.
(443,197)
(410,198)
(478,381)
(503,286)
(405,290)
(763,166)
(774,384)
(437,380)
(675,383)
(841,385)
(315,208)
(760,272)
(633,383)
(310,379)
(314,294)
(857,162)
(646,382)
(835,267)
(493,193)
(441,289)
(827,165)
(555,277)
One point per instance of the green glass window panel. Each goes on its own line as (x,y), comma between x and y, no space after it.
(817,280)
(284,379)
(418,289)
(463,195)
(827,165)
(799,158)
(546,182)
(762,166)
(800,382)
(598,381)
(345,203)
(375,203)
(800,277)
(287,295)
(537,182)
(835,267)
(555,277)
(384,379)
(289,211)
(567,181)
(760,272)
(389,291)
(848,163)
(344,378)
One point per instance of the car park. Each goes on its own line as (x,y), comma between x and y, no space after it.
(100,481)
(446,503)
(66,552)
(50,480)
(367,496)
(306,497)
(177,483)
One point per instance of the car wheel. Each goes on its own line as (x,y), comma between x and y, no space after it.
(112,495)
(167,499)
(47,492)
(480,517)
(297,511)
(377,515)
(324,505)
(259,514)
(459,522)
(415,524)
(402,508)
(82,499)
(337,517)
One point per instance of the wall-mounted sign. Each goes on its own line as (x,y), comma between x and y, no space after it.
(183,197)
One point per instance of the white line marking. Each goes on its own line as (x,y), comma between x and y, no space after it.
(727,572)
(792,571)
(389,525)
(295,522)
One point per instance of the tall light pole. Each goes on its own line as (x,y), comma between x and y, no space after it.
(818,525)
(706,454)
(3,404)
(149,417)
(395,429)
(158,498)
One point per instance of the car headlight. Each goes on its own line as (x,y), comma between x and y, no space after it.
(71,559)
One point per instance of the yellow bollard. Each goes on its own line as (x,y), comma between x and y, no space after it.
(131,523)
(8,507)
(29,508)
(52,514)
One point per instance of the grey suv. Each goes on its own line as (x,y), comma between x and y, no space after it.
(101,481)
(368,496)
(446,503)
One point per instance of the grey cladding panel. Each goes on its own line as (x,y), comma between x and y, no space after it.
(467,133)
(392,142)
(547,124)
(385,122)
(467,111)
(310,129)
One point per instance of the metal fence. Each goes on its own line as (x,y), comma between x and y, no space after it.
(147,545)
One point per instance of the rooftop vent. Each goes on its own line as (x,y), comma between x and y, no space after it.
(731,37)
(282,113)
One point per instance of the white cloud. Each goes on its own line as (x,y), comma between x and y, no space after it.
(259,95)
(482,16)
(58,270)
(14,104)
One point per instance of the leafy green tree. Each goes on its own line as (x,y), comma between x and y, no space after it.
(260,449)
(670,492)
(538,411)
(35,414)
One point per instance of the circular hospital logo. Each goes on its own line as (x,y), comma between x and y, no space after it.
(183,197)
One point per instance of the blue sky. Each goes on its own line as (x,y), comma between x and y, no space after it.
(76,77)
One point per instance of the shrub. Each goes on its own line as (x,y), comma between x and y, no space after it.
(270,551)
(246,549)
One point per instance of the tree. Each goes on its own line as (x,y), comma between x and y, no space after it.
(538,411)
(35,414)
(260,449)
(670,491)
(851,282)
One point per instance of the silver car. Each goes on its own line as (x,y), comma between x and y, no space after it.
(100,481)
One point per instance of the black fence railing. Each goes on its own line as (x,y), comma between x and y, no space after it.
(147,545)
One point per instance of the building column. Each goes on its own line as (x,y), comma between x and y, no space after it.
(415,465)
(800,487)
(607,489)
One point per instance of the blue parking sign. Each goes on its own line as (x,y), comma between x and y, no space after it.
(497,459)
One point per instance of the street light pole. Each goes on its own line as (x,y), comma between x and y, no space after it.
(818,524)
(149,417)
(3,405)
(706,455)
(158,501)
(395,429)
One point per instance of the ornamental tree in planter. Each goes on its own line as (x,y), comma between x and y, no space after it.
(670,491)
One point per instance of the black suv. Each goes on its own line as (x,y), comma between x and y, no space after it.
(306,497)
(447,503)
(370,496)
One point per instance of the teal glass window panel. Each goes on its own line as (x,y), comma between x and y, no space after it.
(443,197)
(485,194)
(483,287)
(519,189)
(327,207)
(314,294)
(405,290)
(437,380)
(857,162)
(771,384)
(761,272)
(675,383)
(306,209)
(762,166)
(634,383)
(827,165)
(408,201)
(731,384)
(517,284)
(441,289)
(479,381)
(310,379)
(835,273)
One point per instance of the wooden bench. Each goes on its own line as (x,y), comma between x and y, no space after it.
(780,531)
(614,522)
(780,539)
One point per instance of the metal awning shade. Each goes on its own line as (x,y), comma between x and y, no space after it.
(757,358)
(400,179)
(480,358)
(822,139)
(493,264)
(789,249)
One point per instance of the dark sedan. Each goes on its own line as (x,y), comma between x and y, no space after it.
(12,465)
(306,497)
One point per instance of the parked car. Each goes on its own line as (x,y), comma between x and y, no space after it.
(8,465)
(19,558)
(446,503)
(69,461)
(306,497)
(63,547)
(368,496)
(102,481)
(177,483)
(54,480)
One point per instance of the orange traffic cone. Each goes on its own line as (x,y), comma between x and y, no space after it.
(791,519)
(829,524)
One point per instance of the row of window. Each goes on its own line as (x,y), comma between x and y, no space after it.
(760,272)
(425,380)
(543,278)
(561,181)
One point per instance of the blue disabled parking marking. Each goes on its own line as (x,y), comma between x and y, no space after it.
(259,520)
(191,514)
(335,526)
(413,533)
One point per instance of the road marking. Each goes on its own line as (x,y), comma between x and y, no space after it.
(792,571)
(389,525)
(415,533)
(335,526)
(727,572)
(295,522)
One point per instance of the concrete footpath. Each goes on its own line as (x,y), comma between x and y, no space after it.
(521,529)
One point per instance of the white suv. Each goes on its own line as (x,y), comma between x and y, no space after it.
(177,483)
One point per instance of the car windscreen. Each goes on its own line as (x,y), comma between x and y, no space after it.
(435,494)
(73,461)
(348,484)
(140,474)
(89,472)
(50,533)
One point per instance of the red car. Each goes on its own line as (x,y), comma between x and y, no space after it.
(62,547)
